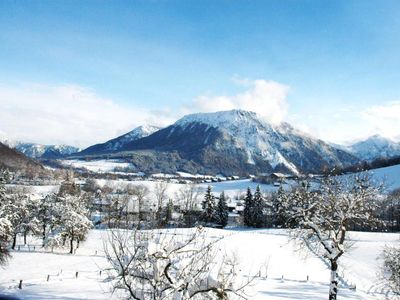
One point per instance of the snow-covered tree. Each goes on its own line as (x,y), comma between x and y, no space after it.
(280,206)
(14,208)
(68,186)
(254,209)
(165,265)
(391,268)
(222,210)
(248,208)
(257,211)
(5,224)
(49,216)
(74,225)
(209,207)
(5,238)
(325,213)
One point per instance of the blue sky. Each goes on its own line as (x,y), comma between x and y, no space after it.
(335,64)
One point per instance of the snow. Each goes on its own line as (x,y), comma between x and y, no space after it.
(266,250)
(163,175)
(100,166)
(196,176)
(390,176)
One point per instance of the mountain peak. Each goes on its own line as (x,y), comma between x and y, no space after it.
(137,133)
(221,118)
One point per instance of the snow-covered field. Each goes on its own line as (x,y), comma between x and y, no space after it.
(265,250)
(389,175)
(99,166)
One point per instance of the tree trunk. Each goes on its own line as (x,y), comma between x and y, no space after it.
(25,234)
(71,246)
(44,235)
(333,288)
(14,242)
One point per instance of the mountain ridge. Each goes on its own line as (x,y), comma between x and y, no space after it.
(233,142)
(374,147)
(118,143)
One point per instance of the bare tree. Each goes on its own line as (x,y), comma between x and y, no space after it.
(167,265)
(161,194)
(188,197)
(140,192)
(326,212)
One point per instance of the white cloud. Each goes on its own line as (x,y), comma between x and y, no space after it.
(345,125)
(384,119)
(71,114)
(63,114)
(78,116)
(267,98)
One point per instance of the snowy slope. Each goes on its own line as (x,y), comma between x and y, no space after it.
(268,250)
(119,142)
(375,147)
(390,176)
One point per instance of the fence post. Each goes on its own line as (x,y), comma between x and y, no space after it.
(20,285)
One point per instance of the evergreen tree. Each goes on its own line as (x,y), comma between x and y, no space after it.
(222,211)
(248,208)
(209,215)
(257,211)
(279,207)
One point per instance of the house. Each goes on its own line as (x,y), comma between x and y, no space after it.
(275,178)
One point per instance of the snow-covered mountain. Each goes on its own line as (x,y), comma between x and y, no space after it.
(38,151)
(45,151)
(119,142)
(375,147)
(231,142)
